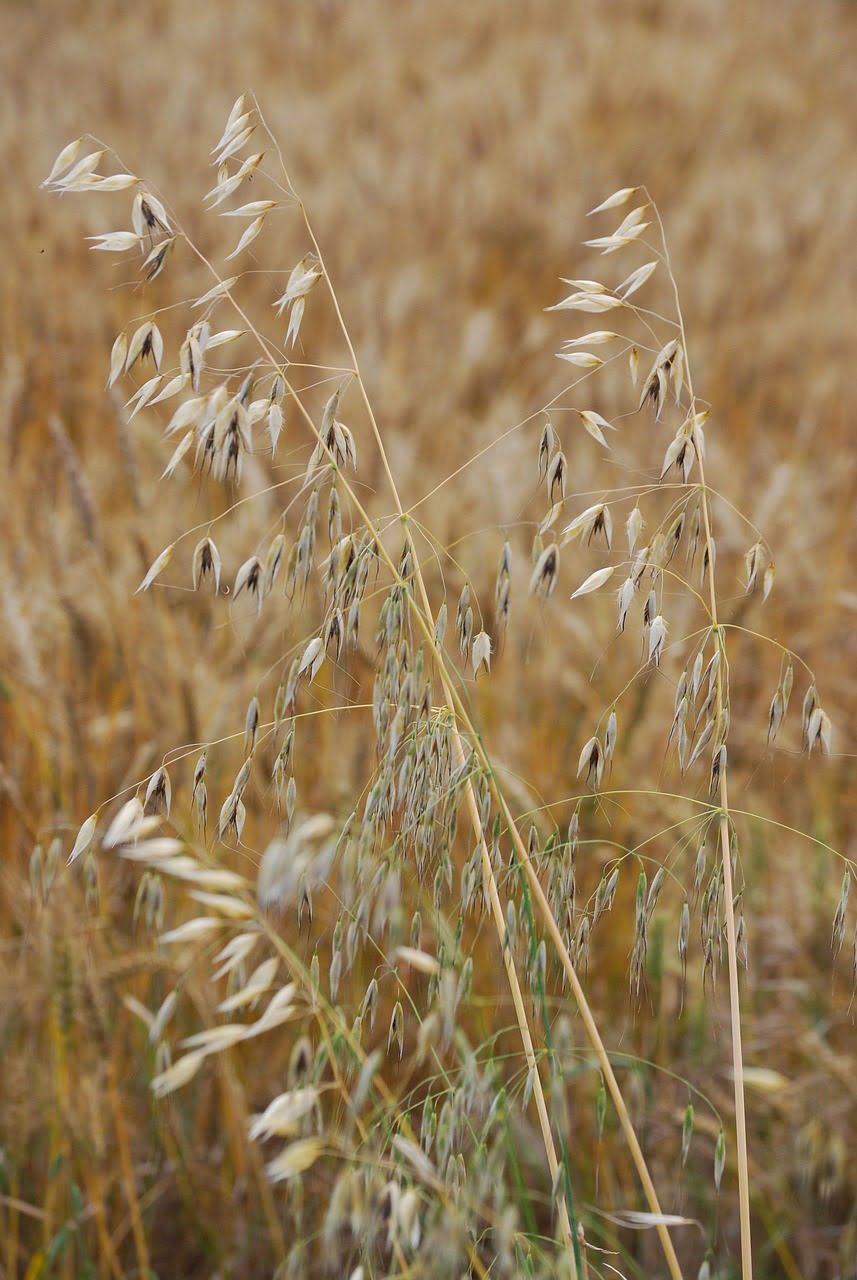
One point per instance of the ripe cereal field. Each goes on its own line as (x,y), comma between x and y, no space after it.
(427,787)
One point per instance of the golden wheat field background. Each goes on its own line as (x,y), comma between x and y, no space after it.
(447,155)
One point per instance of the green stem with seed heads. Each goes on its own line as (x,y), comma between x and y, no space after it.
(566,1206)
(724,833)
(456,705)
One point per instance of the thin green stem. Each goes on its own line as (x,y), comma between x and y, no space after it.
(724,831)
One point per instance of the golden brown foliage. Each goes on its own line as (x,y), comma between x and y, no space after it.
(449,154)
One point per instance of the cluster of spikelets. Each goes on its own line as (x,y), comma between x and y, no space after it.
(428,1194)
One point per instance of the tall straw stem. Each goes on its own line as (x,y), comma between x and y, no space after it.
(723,824)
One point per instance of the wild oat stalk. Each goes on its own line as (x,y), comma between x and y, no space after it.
(723,818)
(434,1196)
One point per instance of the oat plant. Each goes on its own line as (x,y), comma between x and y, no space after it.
(357,940)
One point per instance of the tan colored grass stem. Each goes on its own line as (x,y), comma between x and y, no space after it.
(725,851)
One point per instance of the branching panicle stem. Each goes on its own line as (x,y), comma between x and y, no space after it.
(426,620)
(723,829)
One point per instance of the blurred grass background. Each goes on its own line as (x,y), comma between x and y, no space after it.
(448,154)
